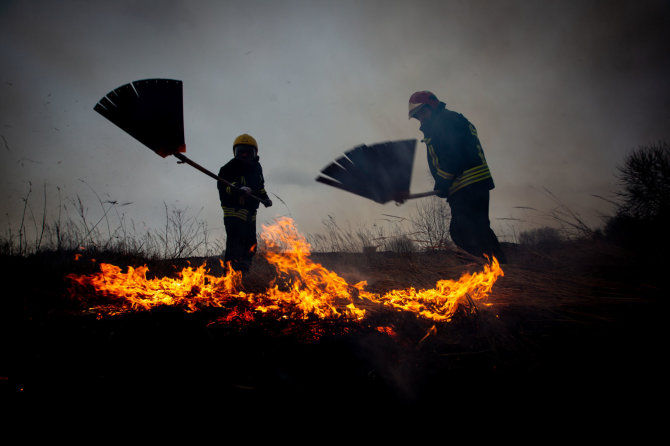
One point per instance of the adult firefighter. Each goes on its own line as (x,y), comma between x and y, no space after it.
(239,204)
(462,176)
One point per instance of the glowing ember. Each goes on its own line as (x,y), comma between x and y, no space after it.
(307,289)
(387,330)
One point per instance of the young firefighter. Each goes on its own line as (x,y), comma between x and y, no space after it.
(457,163)
(238,203)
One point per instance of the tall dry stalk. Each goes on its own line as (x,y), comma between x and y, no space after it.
(75,227)
(431,222)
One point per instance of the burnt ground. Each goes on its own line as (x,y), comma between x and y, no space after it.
(579,324)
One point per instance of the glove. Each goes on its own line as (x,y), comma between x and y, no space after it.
(245,190)
(267,203)
(400,198)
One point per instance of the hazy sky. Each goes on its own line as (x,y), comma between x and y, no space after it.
(560,92)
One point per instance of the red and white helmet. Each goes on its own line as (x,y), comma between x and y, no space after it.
(421,98)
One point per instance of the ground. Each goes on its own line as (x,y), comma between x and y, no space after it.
(578,323)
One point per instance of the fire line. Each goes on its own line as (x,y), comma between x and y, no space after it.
(307,288)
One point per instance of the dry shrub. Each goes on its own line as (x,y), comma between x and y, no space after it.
(545,237)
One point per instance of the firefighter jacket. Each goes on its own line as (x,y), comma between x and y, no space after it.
(455,156)
(233,201)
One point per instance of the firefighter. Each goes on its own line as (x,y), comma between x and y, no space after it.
(457,163)
(245,173)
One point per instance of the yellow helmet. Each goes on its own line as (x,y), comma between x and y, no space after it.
(246,140)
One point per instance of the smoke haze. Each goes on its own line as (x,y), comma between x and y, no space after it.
(560,92)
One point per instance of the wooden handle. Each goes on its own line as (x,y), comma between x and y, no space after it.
(422,194)
(183,158)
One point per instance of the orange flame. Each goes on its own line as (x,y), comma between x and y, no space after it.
(192,288)
(440,303)
(307,288)
(314,289)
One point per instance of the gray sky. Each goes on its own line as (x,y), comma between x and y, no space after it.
(559,92)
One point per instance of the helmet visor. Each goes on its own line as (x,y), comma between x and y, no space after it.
(414,109)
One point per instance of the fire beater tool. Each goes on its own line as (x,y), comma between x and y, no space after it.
(151,111)
(380,172)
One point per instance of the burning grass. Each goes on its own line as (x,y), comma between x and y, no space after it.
(301,289)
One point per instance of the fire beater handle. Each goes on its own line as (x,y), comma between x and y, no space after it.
(403,198)
(423,194)
(184,159)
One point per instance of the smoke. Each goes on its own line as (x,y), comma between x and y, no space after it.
(559,92)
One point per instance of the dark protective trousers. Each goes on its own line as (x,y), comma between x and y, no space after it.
(240,243)
(470,228)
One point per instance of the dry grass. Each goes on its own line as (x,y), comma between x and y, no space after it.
(73,224)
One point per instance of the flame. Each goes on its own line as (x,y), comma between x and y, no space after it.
(192,288)
(303,289)
(314,289)
(440,303)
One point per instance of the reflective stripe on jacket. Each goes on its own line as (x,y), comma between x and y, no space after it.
(455,156)
(240,174)
(241,213)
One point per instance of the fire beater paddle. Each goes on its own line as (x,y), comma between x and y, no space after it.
(381,172)
(152,112)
